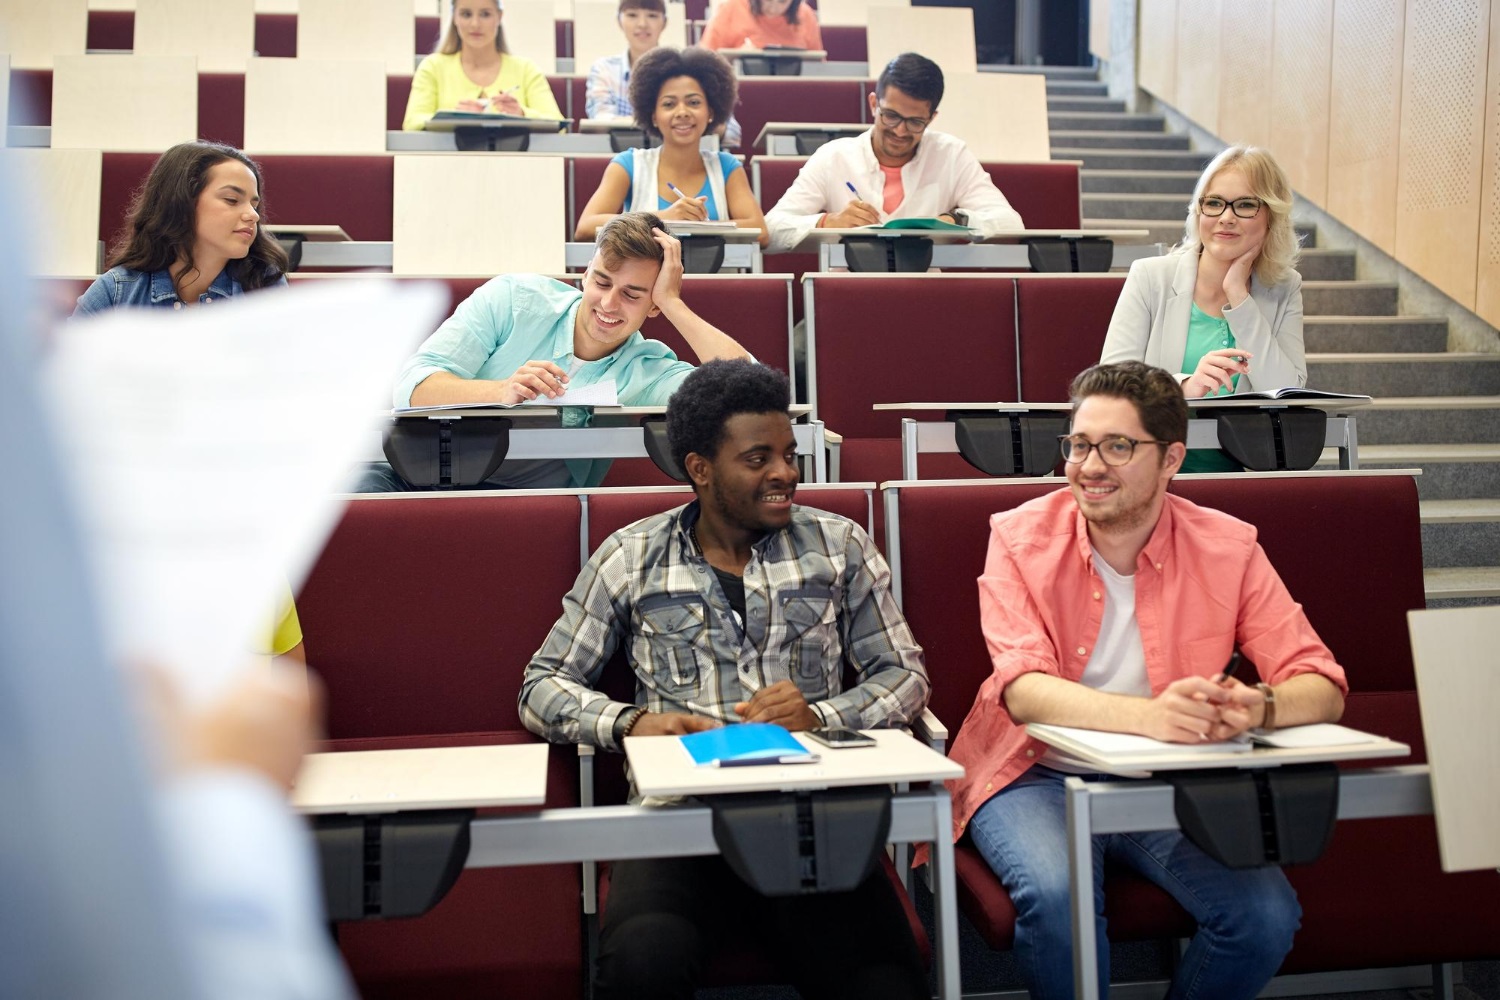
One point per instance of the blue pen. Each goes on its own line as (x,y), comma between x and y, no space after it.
(674,189)
(853,190)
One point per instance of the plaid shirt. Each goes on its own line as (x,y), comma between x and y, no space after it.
(816,593)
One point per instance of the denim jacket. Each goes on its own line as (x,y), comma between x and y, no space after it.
(120,286)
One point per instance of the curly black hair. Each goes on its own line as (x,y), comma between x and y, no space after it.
(701,407)
(711,70)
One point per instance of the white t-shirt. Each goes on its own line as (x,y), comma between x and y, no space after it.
(1118,663)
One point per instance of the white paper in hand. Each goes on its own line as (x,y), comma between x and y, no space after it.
(206,447)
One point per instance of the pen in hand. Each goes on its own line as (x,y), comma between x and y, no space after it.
(1229,668)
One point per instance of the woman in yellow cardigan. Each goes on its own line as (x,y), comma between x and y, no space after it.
(473,71)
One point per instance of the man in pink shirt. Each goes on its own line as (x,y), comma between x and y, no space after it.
(1113,605)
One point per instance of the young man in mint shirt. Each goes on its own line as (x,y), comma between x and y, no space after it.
(524,336)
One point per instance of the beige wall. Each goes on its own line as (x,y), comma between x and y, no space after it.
(1384,112)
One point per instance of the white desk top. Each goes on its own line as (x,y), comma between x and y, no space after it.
(312,234)
(1131,764)
(968,236)
(791,128)
(729,234)
(663,768)
(370,781)
(481,119)
(1212,402)
(806,55)
(537,412)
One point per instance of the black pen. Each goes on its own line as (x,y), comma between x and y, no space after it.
(1229,668)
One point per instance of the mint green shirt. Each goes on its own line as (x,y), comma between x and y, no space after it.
(1207,333)
(517,318)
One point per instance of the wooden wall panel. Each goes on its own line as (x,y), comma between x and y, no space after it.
(1442,142)
(1302,54)
(1198,66)
(1245,57)
(32,33)
(1099,29)
(1156,49)
(1487,293)
(1364,117)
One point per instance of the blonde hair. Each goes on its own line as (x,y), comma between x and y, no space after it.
(1279,253)
(451,43)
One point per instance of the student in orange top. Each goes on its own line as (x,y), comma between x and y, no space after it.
(759,23)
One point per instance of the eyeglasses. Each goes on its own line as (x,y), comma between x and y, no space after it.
(890,119)
(1119,450)
(1245,208)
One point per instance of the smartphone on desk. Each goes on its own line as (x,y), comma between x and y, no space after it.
(838,739)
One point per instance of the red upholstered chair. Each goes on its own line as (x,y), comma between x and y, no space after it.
(429,33)
(587,172)
(1061,320)
(1316,530)
(772,98)
(276,35)
(421,633)
(111,29)
(1046,194)
(397,90)
(611,510)
(846,43)
(904,339)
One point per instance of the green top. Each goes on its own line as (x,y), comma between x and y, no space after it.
(1207,333)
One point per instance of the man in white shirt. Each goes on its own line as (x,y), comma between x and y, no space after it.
(899,169)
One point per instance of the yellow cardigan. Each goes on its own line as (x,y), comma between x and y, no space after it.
(440,84)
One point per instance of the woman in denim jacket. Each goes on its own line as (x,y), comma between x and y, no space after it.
(192,235)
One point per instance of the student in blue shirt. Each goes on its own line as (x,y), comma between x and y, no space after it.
(524,336)
(192,235)
(678,96)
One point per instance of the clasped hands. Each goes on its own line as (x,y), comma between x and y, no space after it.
(1197,710)
(781,703)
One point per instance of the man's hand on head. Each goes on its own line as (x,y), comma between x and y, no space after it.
(668,286)
(781,703)
(671,724)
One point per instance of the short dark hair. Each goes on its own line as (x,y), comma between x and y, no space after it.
(701,407)
(655,68)
(790,14)
(162,223)
(659,6)
(1154,391)
(916,76)
(628,236)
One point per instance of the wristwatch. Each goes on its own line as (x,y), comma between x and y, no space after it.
(1268,721)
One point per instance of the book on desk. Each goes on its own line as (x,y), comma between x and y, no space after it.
(1295,392)
(746,743)
(1123,753)
(598,394)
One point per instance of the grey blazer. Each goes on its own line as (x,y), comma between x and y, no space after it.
(1151,323)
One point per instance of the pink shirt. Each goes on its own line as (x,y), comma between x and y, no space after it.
(1202,584)
(733,23)
(895,190)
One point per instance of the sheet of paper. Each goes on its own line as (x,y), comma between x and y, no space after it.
(1129,743)
(1323,734)
(599,394)
(206,447)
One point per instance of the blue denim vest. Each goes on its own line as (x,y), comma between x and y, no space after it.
(120,286)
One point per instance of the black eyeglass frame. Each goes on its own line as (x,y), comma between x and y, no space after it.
(1065,444)
(916,126)
(1230,206)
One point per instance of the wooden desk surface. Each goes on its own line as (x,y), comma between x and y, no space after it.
(662,767)
(367,781)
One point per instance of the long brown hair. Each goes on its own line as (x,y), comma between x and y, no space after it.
(451,42)
(162,224)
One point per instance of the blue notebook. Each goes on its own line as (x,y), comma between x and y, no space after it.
(746,743)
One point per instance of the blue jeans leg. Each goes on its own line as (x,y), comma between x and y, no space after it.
(1022,834)
(1246,917)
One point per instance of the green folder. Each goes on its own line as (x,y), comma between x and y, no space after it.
(930,224)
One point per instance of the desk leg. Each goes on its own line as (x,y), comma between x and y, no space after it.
(944,897)
(1349,454)
(1081,881)
(908,448)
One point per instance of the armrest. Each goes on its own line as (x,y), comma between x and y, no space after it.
(834,438)
(590,868)
(834,441)
(930,730)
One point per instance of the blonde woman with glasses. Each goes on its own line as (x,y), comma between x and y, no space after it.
(1223,310)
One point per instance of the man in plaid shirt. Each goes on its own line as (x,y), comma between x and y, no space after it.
(737,607)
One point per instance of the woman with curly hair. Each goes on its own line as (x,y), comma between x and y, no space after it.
(759,23)
(677,96)
(192,235)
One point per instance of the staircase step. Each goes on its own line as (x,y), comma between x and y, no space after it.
(1167,231)
(1077,88)
(1088,137)
(1177,182)
(1449,471)
(1052,73)
(1413,419)
(1155,207)
(1460,533)
(1444,586)
(1348,298)
(1385,334)
(1084,104)
(1101,122)
(1326,265)
(1131,159)
(1406,373)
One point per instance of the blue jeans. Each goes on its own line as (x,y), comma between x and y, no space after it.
(1246,917)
